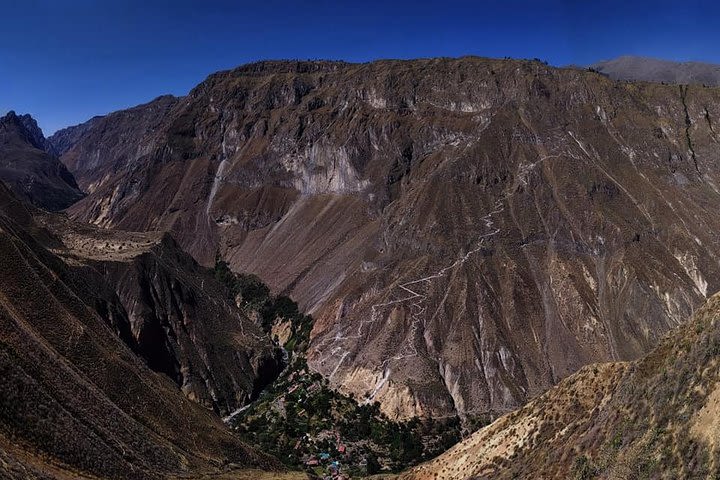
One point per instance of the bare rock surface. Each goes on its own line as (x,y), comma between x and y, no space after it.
(466,232)
(29,165)
(172,312)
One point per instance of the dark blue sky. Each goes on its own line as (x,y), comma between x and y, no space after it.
(65,61)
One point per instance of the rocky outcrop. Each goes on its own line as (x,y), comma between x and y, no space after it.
(466,232)
(184,327)
(28,165)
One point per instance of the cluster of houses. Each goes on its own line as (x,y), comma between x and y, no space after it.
(333,466)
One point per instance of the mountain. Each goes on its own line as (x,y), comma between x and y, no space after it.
(657,417)
(93,152)
(64,138)
(29,167)
(654,70)
(171,312)
(76,401)
(465,232)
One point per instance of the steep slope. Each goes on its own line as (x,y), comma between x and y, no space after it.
(172,312)
(302,421)
(466,232)
(97,149)
(653,418)
(75,401)
(29,168)
(654,70)
(64,139)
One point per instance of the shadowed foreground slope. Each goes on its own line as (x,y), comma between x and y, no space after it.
(658,417)
(75,401)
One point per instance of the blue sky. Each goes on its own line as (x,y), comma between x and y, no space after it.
(65,61)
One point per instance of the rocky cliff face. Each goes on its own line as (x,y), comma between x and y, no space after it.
(62,140)
(75,401)
(28,165)
(654,418)
(100,147)
(466,232)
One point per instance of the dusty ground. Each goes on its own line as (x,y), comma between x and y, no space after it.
(91,243)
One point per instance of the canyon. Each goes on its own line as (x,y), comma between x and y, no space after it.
(118,351)
(465,232)
(466,239)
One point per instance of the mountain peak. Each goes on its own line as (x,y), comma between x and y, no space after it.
(26,127)
(30,167)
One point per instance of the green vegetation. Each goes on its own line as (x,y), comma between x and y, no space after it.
(255,298)
(584,469)
(298,418)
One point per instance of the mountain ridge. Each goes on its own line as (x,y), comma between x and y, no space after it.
(30,167)
(472,216)
(635,68)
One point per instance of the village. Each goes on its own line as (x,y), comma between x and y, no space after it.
(325,461)
(305,423)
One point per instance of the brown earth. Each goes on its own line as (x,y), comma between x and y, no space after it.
(466,232)
(76,400)
(653,418)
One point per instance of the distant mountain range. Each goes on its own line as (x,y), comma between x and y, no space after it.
(645,69)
